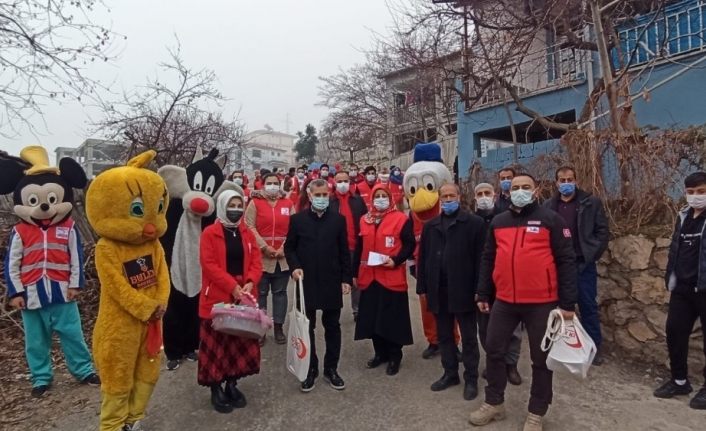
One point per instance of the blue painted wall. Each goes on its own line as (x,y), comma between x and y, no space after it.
(472,124)
(677,103)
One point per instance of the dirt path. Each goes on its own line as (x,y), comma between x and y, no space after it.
(615,397)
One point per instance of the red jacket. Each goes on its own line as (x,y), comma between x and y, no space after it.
(386,238)
(366,192)
(529,259)
(217,285)
(397,193)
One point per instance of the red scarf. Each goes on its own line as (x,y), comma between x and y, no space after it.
(344,209)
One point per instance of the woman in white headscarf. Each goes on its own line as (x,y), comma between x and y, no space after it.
(231,265)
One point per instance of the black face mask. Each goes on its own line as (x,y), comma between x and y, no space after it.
(234,215)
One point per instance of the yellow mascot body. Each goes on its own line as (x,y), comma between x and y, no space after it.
(127,206)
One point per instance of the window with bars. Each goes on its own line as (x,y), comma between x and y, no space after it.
(679,29)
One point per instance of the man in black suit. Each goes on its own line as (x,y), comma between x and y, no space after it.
(317,247)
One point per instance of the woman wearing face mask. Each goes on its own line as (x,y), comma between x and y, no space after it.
(231,264)
(268,218)
(240,179)
(385,243)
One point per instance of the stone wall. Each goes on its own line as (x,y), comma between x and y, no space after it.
(633,301)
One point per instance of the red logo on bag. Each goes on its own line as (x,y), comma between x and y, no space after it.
(571,338)
(298,344)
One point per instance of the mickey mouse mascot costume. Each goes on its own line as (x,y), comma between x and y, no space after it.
(44,263)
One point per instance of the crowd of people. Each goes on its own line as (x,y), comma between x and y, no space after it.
(490,270)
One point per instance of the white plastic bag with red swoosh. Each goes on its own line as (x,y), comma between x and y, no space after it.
(571,349)
(298,344)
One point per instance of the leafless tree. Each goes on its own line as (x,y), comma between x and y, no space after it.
(401,81)
(45,50)
(173,115)
(358,106)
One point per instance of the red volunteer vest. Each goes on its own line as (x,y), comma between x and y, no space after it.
(272,223)
(384,240)
(45,252)
(366,192)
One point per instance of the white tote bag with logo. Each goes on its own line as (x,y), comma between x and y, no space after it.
(298,343)
(571,349)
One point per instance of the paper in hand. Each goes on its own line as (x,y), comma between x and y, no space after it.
(376,259)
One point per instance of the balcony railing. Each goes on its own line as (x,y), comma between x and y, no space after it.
(679,29)
(553,67)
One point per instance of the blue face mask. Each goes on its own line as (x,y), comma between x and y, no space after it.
(449,207)
(319,203)
(505,185)
(567,189)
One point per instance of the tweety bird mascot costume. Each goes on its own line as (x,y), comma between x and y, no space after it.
(126,206)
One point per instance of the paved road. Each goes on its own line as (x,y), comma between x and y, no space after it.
(615,397)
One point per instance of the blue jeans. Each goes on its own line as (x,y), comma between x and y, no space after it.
(588,306)
(39,326)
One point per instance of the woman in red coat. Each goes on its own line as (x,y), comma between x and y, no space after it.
(383,312)
(231,266)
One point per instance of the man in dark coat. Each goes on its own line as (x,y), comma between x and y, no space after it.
(587,222)
(317,248)
(449,257)
(352,207)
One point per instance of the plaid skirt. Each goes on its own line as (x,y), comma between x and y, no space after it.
(223,356)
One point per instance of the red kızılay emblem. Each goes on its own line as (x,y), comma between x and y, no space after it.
(298,344)
(571,338)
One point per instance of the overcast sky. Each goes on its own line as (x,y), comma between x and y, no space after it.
(267,54)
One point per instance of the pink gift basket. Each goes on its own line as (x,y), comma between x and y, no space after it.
(243,320)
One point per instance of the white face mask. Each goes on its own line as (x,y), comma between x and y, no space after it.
(485,203)
(381,204)
(238,181)
(324,173)
(353,173)
(342,188)
(521,198)
(697,202)
(371,177)
(272,189)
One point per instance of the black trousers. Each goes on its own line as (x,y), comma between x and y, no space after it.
(386,349)
(684,309)
(469,342)
(513,350)
(330,319)
(181,325)
(504,318)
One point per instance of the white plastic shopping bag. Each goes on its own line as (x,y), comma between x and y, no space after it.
(571,349)
(299,346)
